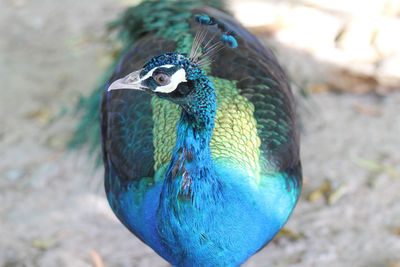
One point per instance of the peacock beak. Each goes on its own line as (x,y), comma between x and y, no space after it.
(130,81)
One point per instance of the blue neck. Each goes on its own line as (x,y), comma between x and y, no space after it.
(191,159)
(191,190)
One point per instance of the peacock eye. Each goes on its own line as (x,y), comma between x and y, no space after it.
(161,78)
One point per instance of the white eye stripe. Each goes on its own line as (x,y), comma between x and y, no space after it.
(167,66)
(177,78)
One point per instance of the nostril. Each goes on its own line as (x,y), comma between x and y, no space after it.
(131,79)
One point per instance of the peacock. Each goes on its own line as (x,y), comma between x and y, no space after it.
(199,134)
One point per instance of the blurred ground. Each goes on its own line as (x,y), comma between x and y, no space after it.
(53,211)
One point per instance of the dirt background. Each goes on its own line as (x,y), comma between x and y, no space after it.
(53,211)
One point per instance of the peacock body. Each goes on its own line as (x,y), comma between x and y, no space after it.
(201,160)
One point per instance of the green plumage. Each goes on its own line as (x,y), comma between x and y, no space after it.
(205,168)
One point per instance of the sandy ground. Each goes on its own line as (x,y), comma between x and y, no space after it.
(53,211)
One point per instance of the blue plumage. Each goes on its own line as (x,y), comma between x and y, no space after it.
(231,176)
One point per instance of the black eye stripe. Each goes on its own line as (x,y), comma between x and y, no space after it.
(168,71)
(160,70)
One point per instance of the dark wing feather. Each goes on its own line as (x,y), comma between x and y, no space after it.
(126,115)
(262,81)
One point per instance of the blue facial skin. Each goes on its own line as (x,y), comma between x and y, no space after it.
(195,211)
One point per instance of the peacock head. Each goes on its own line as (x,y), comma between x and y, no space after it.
(171,75)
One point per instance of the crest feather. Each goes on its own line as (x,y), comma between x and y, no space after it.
(203,50)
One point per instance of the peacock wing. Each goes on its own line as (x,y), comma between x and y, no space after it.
(259,78)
